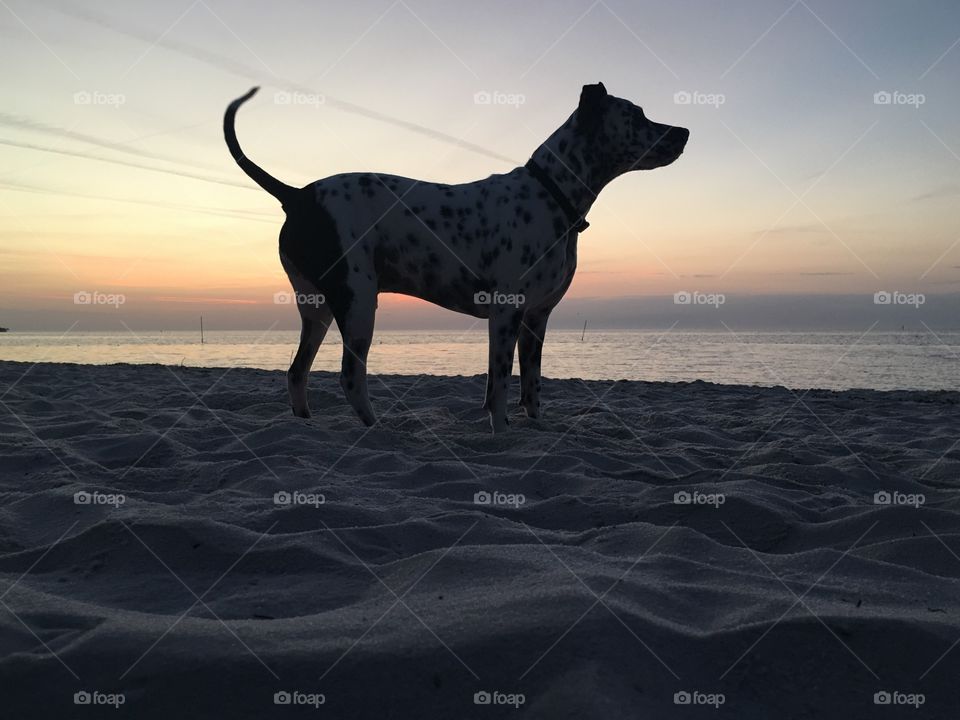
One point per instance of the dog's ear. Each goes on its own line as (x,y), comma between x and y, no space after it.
(593,102)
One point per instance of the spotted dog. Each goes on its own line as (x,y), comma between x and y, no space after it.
(503,248)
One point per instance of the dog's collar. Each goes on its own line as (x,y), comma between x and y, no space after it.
(577,221)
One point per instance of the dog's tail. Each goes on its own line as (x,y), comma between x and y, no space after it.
(281,191)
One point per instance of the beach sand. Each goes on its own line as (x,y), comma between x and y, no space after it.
(390,588)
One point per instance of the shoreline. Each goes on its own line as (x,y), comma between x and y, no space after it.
(324,375)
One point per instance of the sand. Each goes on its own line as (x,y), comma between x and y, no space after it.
(182,585)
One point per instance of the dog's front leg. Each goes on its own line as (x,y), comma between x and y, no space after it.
(532,332)
(486,394)
(356,328)
(504,326)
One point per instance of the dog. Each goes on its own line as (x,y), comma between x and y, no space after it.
(503,249)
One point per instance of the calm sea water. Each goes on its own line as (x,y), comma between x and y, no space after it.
(882,361)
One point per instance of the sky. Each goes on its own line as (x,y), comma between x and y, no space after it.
(824,159)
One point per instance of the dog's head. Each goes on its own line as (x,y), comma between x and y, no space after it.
(617,135)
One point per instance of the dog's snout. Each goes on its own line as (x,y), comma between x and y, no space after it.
(679,136)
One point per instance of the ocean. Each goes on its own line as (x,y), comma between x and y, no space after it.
(881,361)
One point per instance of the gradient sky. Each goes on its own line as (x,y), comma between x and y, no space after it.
(798,183)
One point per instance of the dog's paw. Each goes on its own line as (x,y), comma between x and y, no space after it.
(499,425)
(531,409)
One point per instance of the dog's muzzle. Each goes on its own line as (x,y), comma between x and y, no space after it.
(677,138)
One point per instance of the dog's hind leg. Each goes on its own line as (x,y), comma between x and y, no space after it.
(313,329)
(532,331)
(357,331)
(503,329)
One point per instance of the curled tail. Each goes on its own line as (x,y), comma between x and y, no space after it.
(281,191)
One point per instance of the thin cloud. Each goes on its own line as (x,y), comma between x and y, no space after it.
(811,228)
(206,300)
(245,71)
(125,163)
(22,123)
(938,193)
(823,273)
(240,214)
